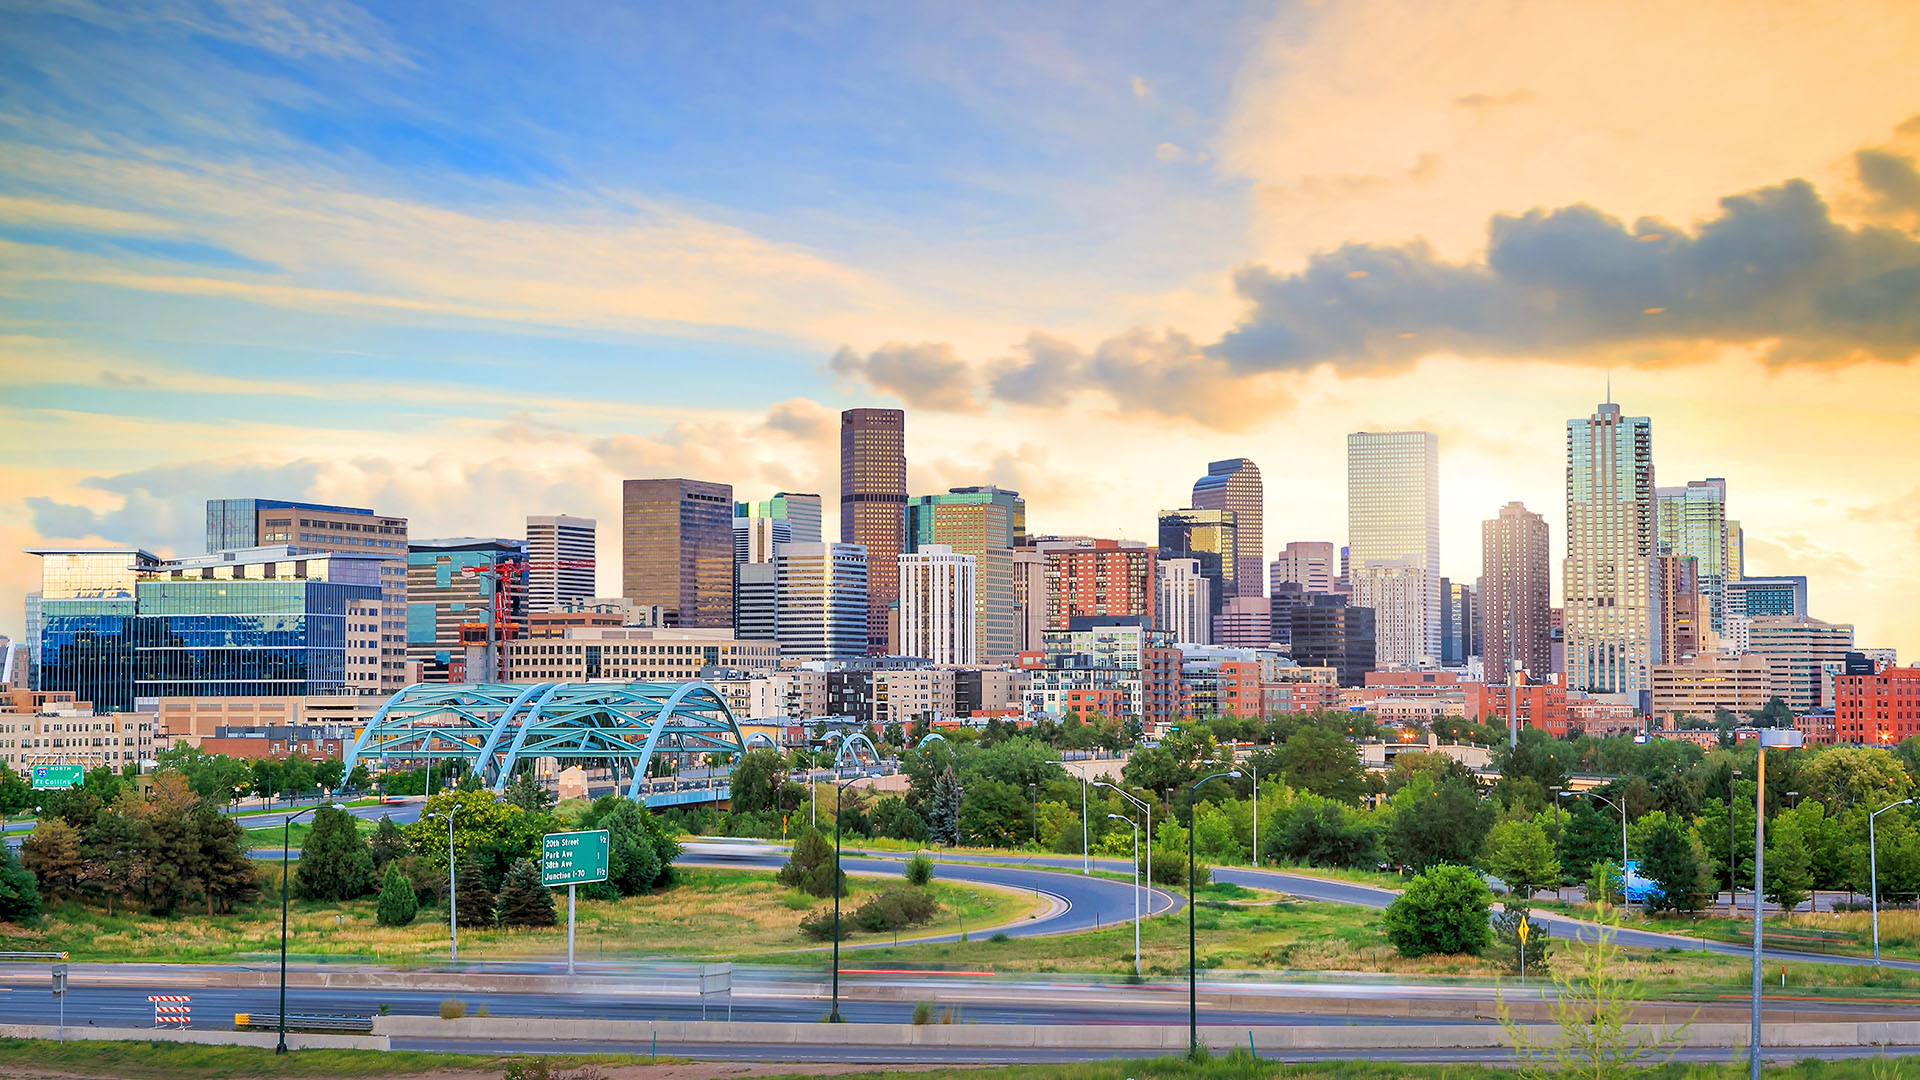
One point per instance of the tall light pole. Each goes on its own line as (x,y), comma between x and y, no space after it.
(1622,807)
(1733,888)
(286,852)
(453,890)
(1146,809)
(1086,857)
(1254,768)
(1136,888)
(1193,979)
(839,790)
(1873,875)
(1769,739)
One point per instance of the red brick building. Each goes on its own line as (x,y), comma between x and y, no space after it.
(1540,705)
(1882,709)
(1103,579)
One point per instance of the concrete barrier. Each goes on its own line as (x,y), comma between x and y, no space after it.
(296,1040)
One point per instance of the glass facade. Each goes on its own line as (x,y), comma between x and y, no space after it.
(873,505)
(1612,639)
(979,522)
(1393,540)
(1692,523)
(1234,485)
(1209,538)
(676,549)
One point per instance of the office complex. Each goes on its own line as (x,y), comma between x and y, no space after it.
(1516,591)
(676,549)
(1692,523)
(1244,622)
(1182,606)
(873,505)
(1393,538)
(977,495)
(821,598)
(1749,598)
(1234,486)
(451,615)
(1098,579)
(560,556)
(1805,656)
(801,512)
(1209,538)
(1680,606)
(1611,633)
(977,522)
(1877,708)
(756,603)
(938,605)
(1701,686)
(1314,565)
(1328,632)
(1029,598)
(1460,622)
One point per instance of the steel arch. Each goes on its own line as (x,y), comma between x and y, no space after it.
(497,725)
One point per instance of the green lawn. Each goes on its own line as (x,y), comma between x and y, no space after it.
(269,836)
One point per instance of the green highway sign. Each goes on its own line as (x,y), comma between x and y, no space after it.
(573,858)
(59,776)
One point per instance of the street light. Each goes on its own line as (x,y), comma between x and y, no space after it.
(1086,857)
(839,790)
(1769,739)
(1193,979)
(453,890)
(1733,893)
(1873,875)
(286,856)
(1146,808)
(1136,888)
(1622,807)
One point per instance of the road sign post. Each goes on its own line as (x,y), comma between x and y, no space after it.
(59,973)
(1523,929)
(58,776)
(716,979)
(573,859)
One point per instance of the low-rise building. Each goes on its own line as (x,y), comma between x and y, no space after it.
(1705,684)
(638,654)
(1878,709)
(53,728)
(188,721)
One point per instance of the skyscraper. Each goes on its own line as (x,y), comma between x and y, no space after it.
(1750,598)
(821,592)
(1681,605)
(1234,485)
(873,505)
(557,545)
(676,549)
(1209,537)
(1459,622)
(754,538)
(999,496)
(1327,632)
(1516,593)
(1029,599)
(1692,524)
(937,605)
(1314,565)
(978,522)
(1393,533)
(449,609)
(1182,605)
(1611,634)
(801,512)
(1098,579)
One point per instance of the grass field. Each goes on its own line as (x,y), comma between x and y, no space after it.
(1838,932)
(712,913)
(269,836)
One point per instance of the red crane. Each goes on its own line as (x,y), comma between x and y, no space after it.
(507,573)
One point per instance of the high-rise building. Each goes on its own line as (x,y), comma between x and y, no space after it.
(1736,552)
(1749,598)
(754,538)
(1459,622)
(1393,532)
(1029,599)
(756,602)
(234,524)
(1015,506)
(978,522)
(1328,632)
(1516,592)
(1804,654)
(938,609)
(450,610)
(1314,565)
(1692,523)
(873,505)
(1234,485)
(1209,537)
(1181,605)
(801,512)
(33,640)
(1244,622)
(1681,604)
(1098,579)
(1612,635)
(821,592)
(560,554)
(676,549)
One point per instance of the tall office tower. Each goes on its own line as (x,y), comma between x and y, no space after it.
(1750,598)
(557,545)
(1234,485)
(1516,592)
(756,602)
(977,522)
(1098,579)
(1327,632)
(999,496)
(801,513)
(821,594)
(233,524)
(1393,531)
(1692,524)
(450,610)
(1182,606)
(1612,635)
(1311,564)
(1211,538)
(754,538)
(1681,603)
(33,641)
(85,622)
(1244,622)
(938,605)
(1804,655)
(873,505)
(1029,599)
(1344,584)
(1736,558)
(676,549)
(1459,622)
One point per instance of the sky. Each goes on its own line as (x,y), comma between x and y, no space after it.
(468,262)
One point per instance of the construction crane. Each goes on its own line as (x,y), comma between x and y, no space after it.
(506,573)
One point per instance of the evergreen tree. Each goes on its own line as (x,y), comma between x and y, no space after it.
(226,874)
(387,843)
(114,851)
(1675,862)
(53,852)
(19,893)
(943,818)
(524,901)
(811,866)
(475,902)
(397,905)
(529,794)
(335,863)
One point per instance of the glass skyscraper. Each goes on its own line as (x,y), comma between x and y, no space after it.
(1234,485)
(980,522)
(1393,537)
(676,549)
(1612,635)
(1210,538)
(1692,524)
(873,505)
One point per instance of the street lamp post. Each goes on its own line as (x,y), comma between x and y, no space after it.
(1136,888)
(1193,978)
(1146,809)
(453,890)
(1873,875)
(1254,768)
(1769,739)
(1086,857)
(1622,807)
(1733,888)
(839,790)
(286,852)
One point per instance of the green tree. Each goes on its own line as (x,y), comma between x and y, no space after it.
(1897,843)
(15,794)
(114,850)
(387,843)
(53,853)
(640,851)
(328,773)
(493,832)
(810,866)
(527,792)
(995,813)
(264,777)
(1843,777)
(1324,763)
(1592,1007)
(397,905)
(1435,823)
(1789,869)
(1321,832)
(19,892)
(891,817)
(1672,858)
(226,873)
(524,901)
(471,895)
(1519,854)
(359,779)
(1444,910)
(335,862)
(943,817)
(756,780)
(297,775)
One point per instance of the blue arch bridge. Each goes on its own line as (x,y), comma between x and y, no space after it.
(622,726)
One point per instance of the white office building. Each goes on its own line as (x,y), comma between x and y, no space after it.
(821,593)
(560,551)
(938,595)
(1183,603)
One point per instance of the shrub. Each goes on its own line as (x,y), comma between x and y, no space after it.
(541,1068)
(919,869)
(452,1009)
(819,925)
(896,907)
(923,1013)
(19,894)
(1444,910)
(811,866)
(397,905)
(335,862)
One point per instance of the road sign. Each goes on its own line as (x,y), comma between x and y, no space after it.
(1524,928)
(58,776)
(573,858)
(59,980)
(716,979)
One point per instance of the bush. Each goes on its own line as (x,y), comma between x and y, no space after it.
(895,908)
(452,1009)
(19,893)
(524,901)
(387,843)
(397,905)
(811,866)
(1444,910)
(474,899)
(819,925)
(541,1068)
(923,1013)
(919,869)
(335,862)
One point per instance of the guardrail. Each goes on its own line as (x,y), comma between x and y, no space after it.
(333,1024)
(33,956)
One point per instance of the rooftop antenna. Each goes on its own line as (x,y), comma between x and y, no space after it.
(1609,386)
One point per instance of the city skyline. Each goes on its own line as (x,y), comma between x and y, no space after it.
(248,289)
